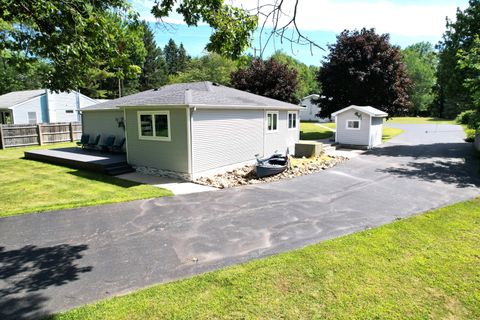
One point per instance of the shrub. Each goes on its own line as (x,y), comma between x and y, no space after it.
(470,135)
(465,117)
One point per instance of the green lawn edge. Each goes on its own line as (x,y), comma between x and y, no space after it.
(31,187)
(423,267)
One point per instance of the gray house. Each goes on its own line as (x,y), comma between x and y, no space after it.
(359,126)
(42,106)
(195,129)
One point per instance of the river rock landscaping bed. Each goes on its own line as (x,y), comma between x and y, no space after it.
(246,174)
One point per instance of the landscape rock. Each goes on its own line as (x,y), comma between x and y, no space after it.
(246,174)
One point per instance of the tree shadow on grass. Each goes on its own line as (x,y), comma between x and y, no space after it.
(27,270)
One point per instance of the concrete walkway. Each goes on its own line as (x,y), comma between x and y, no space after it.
(58,260)
(176,186)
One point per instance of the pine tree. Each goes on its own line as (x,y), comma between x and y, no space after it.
(154,70)
(176,57)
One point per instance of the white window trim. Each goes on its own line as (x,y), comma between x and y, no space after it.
(266,121)
(359,124)
(153,113)
(296,120)
(36,117)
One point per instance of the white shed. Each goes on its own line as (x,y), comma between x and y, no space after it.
(359,126)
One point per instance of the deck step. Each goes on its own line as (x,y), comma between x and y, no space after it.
(119,169)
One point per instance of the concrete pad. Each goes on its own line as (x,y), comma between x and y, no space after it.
(174,185)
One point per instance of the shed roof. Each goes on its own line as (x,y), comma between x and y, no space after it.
(374,112)
(13,98)
(198,94)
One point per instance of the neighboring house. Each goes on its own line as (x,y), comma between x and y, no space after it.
(42,106)
(359,126)
(195,129)
(310,110)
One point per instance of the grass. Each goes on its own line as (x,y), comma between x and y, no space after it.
(31,186)
(311,131)
(419,120)
(388,133)
(424,267)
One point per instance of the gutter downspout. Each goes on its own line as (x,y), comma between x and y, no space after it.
(125,130)
(188,115)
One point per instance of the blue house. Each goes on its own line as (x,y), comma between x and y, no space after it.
(42,106)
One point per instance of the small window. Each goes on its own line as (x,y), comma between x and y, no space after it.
(68,111)
(353,124)
(32,117)
(154,125)
(292,120)
(272,121)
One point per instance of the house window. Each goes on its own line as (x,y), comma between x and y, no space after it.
(32,117)
(154,125)
(353,124)
(292,120)
(272,121)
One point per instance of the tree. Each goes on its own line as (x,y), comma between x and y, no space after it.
(175,57)
(454,97)
(154,71)
(471,60)
(211,67)
(267,78)
(73,35)
(115,71)
(363,68)
(18,72)
(307,82)
(421,64)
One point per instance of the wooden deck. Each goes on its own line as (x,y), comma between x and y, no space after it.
(108,163)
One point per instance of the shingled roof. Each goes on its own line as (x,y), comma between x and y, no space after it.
(11,99)
(196,94)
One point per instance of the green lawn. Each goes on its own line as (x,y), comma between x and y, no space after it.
(419,120)
(312,131)
(424,267)
(388,133)
(30,186)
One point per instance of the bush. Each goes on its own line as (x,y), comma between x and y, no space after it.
(465,117)
(470,135)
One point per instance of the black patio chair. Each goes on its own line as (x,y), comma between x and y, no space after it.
(83,140)
(118,146)
(108,143)
(94,144)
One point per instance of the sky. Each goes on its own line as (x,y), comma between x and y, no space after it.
(407,22)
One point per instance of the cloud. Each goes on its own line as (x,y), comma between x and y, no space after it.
(405,19)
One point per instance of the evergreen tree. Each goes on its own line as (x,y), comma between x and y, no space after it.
(154,70)
(175,57)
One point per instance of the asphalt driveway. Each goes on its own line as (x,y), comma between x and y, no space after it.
(58,260)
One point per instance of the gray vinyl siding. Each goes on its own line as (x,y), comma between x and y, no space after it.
(167,155)
(283,138)
(349,136)
(20,111)
(103,123)
(225,137)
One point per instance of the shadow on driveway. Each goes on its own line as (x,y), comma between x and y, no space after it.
(27,270)
(453,163)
